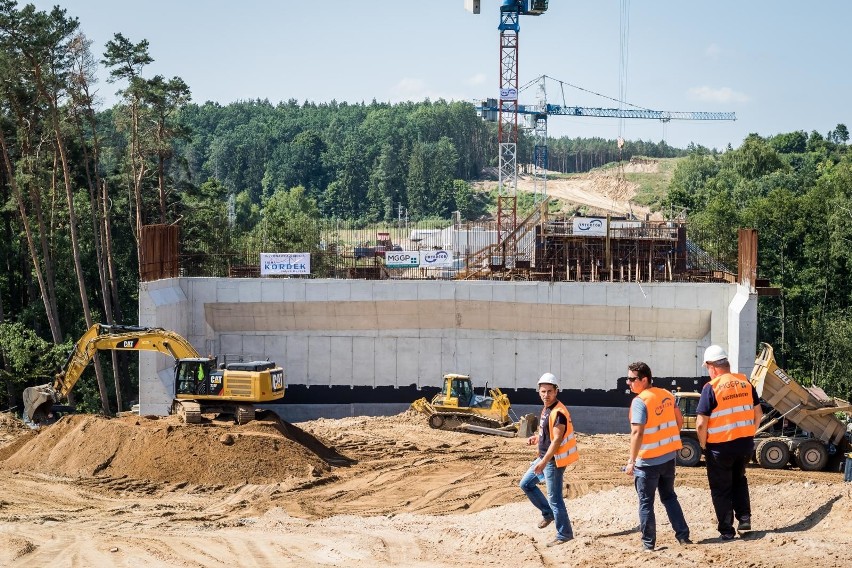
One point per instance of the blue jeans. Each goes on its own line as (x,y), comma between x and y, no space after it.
(648,480)
(553,507)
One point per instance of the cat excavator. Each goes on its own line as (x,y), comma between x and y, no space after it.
(200,386)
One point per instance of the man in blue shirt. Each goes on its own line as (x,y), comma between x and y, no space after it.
(654,443)
(728,414)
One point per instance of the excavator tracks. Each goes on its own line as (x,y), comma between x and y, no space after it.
(243,414)
(189,412)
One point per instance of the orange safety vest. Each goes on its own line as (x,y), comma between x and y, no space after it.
(733,416)
(566,453)
(661,435)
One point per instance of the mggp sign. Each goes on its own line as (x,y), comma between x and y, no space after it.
(402,259)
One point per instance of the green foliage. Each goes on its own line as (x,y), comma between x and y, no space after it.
(289,222)
(30,360)
(833,351)
(796,190)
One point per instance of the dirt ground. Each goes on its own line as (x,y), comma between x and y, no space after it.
(365,491)
(600,191)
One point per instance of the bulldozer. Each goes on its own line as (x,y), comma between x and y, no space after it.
(458,407)
(200,387)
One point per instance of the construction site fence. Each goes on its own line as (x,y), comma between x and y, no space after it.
(353,250)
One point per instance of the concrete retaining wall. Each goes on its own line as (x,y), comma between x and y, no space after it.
(365,334)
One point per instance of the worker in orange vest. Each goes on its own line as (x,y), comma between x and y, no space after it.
(557,448)
(655,423)
(728,415)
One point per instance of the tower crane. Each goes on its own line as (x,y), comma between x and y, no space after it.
(506,110)
(536,118)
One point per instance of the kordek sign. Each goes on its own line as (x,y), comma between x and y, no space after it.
(277,263)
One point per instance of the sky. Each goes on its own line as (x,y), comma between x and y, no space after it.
(780,65)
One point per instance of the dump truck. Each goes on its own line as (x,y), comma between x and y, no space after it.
(457,406)
(800,425)
(200,387)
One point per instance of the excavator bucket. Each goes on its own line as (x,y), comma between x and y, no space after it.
(37,402)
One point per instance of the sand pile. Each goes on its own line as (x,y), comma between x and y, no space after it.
(10,428)
(261,452)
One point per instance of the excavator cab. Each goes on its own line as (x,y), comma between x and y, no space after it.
(197,376)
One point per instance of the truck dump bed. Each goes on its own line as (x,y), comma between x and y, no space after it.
(811,410)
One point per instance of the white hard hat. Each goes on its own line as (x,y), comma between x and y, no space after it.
(714,353)
(549,379)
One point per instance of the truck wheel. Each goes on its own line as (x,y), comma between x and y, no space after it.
(773,454)
(690,454)
(811,455)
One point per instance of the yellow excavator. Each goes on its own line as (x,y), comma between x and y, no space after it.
(200,386)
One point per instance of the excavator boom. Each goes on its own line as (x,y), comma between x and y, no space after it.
(100,337)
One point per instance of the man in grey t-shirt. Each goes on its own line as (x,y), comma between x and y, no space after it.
(655,422)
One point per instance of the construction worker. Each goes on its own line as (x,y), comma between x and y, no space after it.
(557,448)
(655,423)
(728,414)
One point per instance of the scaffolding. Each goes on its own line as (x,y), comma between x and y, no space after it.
(541,247)
(639,252)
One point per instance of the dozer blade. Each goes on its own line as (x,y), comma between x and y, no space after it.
(38,402)
(422,405)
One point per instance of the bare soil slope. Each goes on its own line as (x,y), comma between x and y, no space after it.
(598,192)
(363,491)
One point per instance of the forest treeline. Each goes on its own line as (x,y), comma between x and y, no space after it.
(79,182)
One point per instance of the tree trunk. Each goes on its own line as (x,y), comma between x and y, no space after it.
(99,235)
(161,180)
(75,246)
(138,174)
(49,306)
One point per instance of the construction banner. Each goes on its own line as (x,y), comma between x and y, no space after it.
(402,259)
(436,259)
(590,226)
(285,263)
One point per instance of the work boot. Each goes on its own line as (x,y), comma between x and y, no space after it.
(744,524)
(544,522)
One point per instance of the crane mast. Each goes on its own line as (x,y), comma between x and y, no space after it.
(507,130)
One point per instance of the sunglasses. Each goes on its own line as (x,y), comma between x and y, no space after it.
(631,379)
